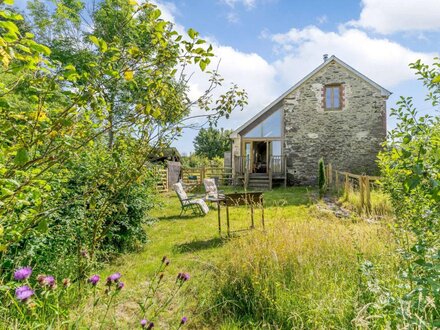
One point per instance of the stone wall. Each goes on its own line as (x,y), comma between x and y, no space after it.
(349,138)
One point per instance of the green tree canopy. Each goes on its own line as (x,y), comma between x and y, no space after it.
(211,142)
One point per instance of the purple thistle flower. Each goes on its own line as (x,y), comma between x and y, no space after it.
(23,273)
(48,281)
(113,278)
(184,320)
(120,285)
(23,293)
(164,259)
(185,277)
(143,323)
(151,325)
(94,279)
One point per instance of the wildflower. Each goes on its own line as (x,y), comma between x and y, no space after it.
(40,278)
(23,293)
(143,323)
(165,261)
(66,282)
(113,278)
(120,285)
(184,320)
(23,273)
(49,281)
(151,325)
(161,275)
(94,279)
(84,253)
(183,277)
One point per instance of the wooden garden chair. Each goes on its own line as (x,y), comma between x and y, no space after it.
(197,205)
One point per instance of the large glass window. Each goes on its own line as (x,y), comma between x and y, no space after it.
(270,127)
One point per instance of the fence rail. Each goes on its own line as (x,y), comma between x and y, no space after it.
(345,181)
(193,177)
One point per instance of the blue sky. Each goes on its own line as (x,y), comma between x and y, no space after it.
(266,46)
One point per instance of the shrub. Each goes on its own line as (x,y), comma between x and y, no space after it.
(322,181)
(411,169)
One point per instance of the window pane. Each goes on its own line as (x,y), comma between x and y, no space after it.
(328,97)
(276,148)
(270,127)
(336,97)
(255,132)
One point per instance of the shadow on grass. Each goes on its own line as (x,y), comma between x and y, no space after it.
(172,217)
(199,245)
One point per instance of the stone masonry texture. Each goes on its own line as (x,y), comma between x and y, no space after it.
(349,138)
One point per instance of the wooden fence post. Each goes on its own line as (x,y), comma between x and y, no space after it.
(330,174)
(367,194)
(347,186)
(202,174)
(362,190)
(337,181)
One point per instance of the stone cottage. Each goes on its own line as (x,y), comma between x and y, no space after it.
(335,112)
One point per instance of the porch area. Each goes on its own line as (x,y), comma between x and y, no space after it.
(255,174)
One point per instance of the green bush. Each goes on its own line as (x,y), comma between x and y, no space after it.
(322,181)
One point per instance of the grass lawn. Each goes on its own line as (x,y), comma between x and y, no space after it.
(302,271)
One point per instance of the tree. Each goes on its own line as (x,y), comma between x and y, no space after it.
(79,122)
(211,142)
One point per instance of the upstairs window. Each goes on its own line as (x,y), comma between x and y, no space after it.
(333,97)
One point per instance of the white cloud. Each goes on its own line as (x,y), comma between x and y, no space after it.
(389,16)
(380,59)
(248,70)
(232,17)
(247,3)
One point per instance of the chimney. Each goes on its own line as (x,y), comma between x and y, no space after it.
(325,57)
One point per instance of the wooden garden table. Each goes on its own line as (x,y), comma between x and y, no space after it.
(252,199)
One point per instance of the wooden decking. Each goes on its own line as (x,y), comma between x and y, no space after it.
(247,175)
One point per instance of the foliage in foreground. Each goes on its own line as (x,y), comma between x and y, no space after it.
(82,107)
(411,170)
(42,301)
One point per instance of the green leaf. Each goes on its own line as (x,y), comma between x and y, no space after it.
(202,65)
(42,226)
(94,40)
(192,33)
(22,157)
(436,79)
(9,2)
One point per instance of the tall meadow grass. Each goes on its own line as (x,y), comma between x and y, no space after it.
(303,274)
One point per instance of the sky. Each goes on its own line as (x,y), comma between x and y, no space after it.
(266,46)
